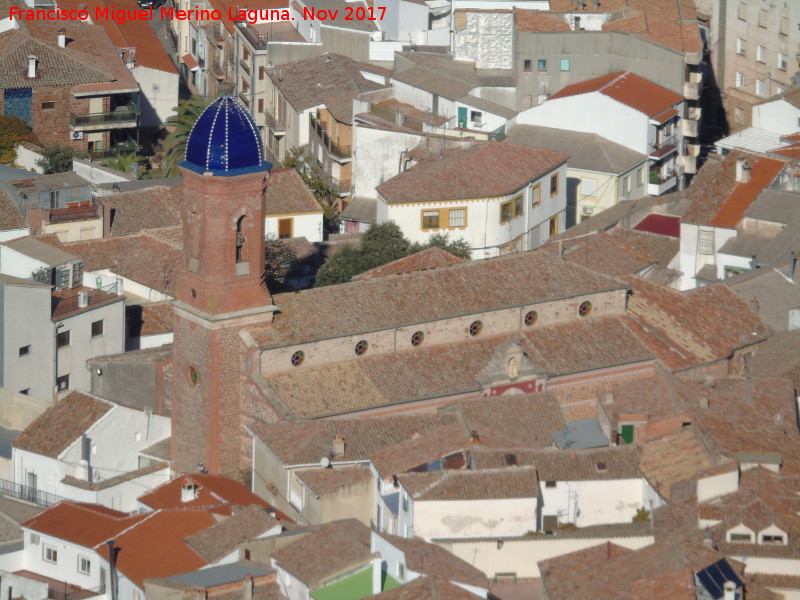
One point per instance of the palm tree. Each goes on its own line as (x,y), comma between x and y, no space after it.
(179,126)
(123,162)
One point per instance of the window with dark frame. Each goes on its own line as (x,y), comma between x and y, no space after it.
(554,184)
(771,539)
(98,328)
(63,339)
(741,537)
(84,565)
(518,206)
(25,392)
(527,65)
(430,219)
(25,350)
(62,383)
(49,553)
(48,105)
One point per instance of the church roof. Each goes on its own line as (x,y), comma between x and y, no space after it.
(225,141)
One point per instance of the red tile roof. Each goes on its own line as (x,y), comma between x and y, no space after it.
(661,224)
(84,524)
(430,258)
(535,20)
(627,88)
(214,492)
(57,428)
(287,194)
(155,547)
(486,170)
(763,172)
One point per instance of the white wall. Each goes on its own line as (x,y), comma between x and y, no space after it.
(691,261)
(13,234)
(598,502)
(774,566)
(474,518)
(487,39)
(16,586)
(308,225)
(778,117)
(160,90)
(27,159)
(592,113)
(384,149)
(17,264)
(66,567)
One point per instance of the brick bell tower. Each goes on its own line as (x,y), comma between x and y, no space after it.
(220,289)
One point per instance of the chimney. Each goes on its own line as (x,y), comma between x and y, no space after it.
(338,445)
(131,58)
(730,591)
(247,587)
(188,491)
(474,438)
(608,398)
(703,402)
(62,37)
(742,170)
(83,299)
(32,62)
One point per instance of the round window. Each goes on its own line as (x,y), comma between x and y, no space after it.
(531,318)
(417,338)
(361,347)
(585,308)
(475,328)
(298,358)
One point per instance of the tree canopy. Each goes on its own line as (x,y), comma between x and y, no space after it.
(56,159)
(325,195)
(381,244)
(180,126)
(13,130)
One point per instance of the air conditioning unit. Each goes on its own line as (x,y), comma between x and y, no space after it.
(77,135)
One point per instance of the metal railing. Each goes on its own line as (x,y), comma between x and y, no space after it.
(277,126)
(334,148)
(120,115)
(29,494)
(245,66)
(77,213)
(243,97)
(669,140)
(129,147)
(342,186)
(259,41)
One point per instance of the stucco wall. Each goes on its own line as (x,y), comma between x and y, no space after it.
(474,518)
(159,95)
(17,411)
(307,225)
(486,38)
(384,149)
(588,503)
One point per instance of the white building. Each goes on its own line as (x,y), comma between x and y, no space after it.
(653,120)
(499,198)
(88,449)
(49,334)
(292,211)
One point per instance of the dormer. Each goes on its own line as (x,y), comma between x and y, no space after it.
(741,534)
(773,535)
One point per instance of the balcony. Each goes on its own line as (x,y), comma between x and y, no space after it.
(243,96)
(690,164)
(245,66)
(217,68)
(666,146)
(689,128)
(218,33)
(691,90)
(661,182)
(259,41)
(337,150)
(127,147)
(78,213)
(694,112)
(276,126)
(342,186)
(122,117)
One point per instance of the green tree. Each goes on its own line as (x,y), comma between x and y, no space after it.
(13,130)
(278,260)
(56,159)
(381,244)
(179,127)
(310,174)
(642,514)
(123,162)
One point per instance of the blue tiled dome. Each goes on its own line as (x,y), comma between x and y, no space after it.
(225,141)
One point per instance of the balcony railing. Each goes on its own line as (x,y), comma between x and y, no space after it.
(245,66)
(123,114)
(129,147)
(29,494)
(173,36)
(342,186)
(78,213)
(276,126)
(664,146)
(334,148)
(243,97)
(218,32)
(259,41)
(217,68)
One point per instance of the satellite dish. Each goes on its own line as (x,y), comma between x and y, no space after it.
(325,462)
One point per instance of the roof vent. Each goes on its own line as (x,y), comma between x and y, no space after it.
(188,491)
(474,438)
(338,445)
(62,37)
(83,299)
(32,64)
(742,170)
(602,466)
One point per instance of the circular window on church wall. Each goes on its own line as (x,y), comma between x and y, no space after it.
(585,308)
(361,347)
(475,328)
(191,373)
(298,358)
(417,338)
(531,318)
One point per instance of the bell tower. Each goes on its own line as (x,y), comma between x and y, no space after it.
(221,287)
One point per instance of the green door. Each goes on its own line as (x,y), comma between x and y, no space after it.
(462,117)
(627,433)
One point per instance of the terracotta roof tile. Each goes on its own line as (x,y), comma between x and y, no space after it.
(287,194)
(224,537)
(373,304)
(155,546)
(325,481)
(61,425)
(84,524)
(10,215)
(661,224)
(627,88)
(157,318)
(424,557)
(427,586)
(672,458)
(620,462)
(503,168)
(534,20)
(114,481)
(213,492)
(150,208)
(484,484)
(430,258)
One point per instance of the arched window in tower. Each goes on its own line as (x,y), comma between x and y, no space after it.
(240,240)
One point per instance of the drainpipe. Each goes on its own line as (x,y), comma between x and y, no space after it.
(55,361)
(112,568)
